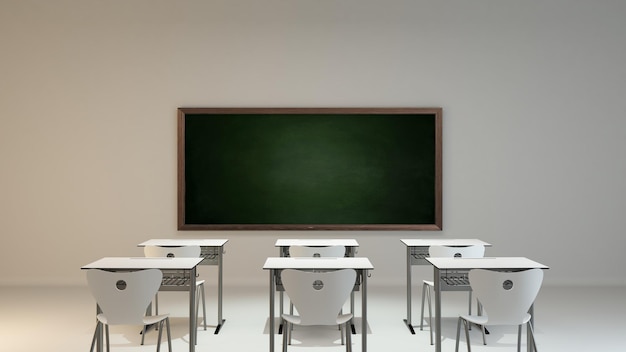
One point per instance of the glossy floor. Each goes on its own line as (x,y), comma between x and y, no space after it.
(61,319)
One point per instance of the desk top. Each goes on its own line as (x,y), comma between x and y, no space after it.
(178,242)
(486,263)
(318,263)
(143,263)
(318,242)
(427,242)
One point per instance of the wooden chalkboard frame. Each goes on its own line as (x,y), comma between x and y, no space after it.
(435,112)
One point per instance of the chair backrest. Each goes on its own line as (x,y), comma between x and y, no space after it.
(318,296)
(171,252)
(506,297)
(475,251)
(317,251)
(124,296)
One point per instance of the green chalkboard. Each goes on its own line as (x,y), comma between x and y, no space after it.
(314,169)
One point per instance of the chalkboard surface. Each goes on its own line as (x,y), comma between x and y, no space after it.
(309,169)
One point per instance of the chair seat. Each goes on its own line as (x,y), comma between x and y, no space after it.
(147,320)
(295,319)
(483,320)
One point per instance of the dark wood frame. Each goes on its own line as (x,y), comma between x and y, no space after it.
(436,111)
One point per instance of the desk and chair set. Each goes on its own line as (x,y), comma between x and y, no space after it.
(319,276)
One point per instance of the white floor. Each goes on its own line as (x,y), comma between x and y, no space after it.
(62,319)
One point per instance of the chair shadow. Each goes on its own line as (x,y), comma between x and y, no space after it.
(130,335)
(497,336)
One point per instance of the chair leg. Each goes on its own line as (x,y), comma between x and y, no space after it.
(143,333)
(422,310)
(160,324)
(341,333)
(430,314)
(169,334)
(203,305)
(519,337)
(531,331)
(458,334)
(285,332)
(95,334)
(106,328)
(469,305)
(482,328)
(348,337)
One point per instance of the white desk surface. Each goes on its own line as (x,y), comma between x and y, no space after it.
(318,263)
(177,242)
(143,263)
(319,242)
(486,263)
(427,242)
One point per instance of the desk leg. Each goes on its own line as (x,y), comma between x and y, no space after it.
(220,320)
(282,252)
(407,321)
(437,310)
(271,322)
(192,310)
(364,309)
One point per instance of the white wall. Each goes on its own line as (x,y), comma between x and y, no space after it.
(532,94)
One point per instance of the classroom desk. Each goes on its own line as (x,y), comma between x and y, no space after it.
(416,254)
(283,251)
(183,267)
(212,253)
(276,264)
(450,274)
(284,244)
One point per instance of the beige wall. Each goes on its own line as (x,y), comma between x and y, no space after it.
(532,94)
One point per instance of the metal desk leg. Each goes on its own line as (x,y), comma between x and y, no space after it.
(272,289)
(364,309)
(437,310)
(220,320)
(407,321)
(192,310)
(282,252)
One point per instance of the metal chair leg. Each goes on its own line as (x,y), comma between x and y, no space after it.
(285,332)
(467,323)
(348,337)
(530,330)
(169,334)
(106,329)
(160,324)
(519,337)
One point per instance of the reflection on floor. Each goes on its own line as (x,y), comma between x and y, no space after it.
(62,319)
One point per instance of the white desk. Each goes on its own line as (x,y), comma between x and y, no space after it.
(450,274)
(212,253)
(416,254)
(184,266)
(284,244)
(276,264)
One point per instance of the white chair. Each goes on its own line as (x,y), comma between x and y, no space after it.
(475,251)
(123,298)
(182,252)
(506,298)
(318,298)
(316,252)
